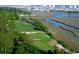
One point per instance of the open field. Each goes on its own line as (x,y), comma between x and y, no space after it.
(21,26)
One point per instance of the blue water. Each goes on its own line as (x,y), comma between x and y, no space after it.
(57,24)
(59,14)
(53,22)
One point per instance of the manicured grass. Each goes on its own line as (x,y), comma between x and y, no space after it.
(22,26)
(41,45)
(40,36)
(41,41)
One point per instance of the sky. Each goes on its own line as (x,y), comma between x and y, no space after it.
(39,2)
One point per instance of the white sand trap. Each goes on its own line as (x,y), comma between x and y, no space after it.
(32,32)
(36,39)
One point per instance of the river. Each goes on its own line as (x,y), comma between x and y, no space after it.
(73,30)
(59,14)
(64,26)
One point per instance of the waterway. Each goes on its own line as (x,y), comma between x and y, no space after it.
(59,14)
(67,27)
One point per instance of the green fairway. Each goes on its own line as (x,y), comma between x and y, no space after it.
(22,26)
(40,36)
(41,45)
(41,40)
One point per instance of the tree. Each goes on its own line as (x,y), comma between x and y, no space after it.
(6,31)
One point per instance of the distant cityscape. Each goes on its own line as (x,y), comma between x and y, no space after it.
(45,7)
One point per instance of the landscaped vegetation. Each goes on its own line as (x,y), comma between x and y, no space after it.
(21,26)
(12,40)
(17,36)
(40,36)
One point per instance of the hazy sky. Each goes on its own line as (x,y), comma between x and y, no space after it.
(39,2)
